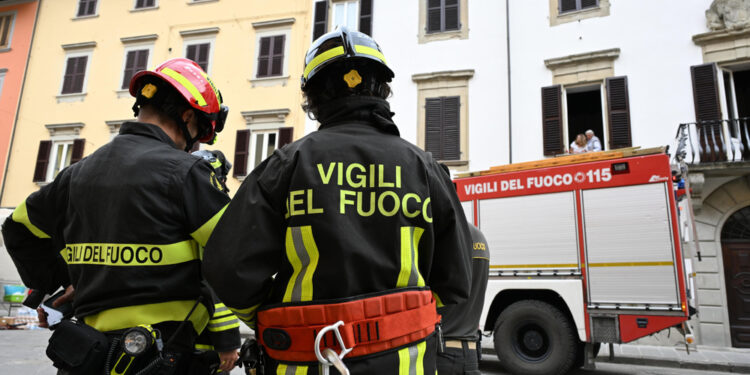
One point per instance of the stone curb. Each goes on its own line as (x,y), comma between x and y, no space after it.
(659,362)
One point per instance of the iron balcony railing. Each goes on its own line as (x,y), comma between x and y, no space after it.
(713,141)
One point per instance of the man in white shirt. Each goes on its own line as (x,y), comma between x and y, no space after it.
(593,143)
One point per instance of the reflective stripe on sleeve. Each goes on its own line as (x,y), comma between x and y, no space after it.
(409,274)
(115,254)
(285,369)
(223,324)
(302,253)
(204,347)
(21,215)
(186,84)
(204,232)
(438,302)
(132,316)
(246,315)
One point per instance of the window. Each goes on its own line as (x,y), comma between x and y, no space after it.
(2,78)
(575,5)
(63,149)
(200,53)
(86,8)
(442,20)
(442,127)
(142,4)
(6,30)
(266,132)
(75,75)
(354,14)
(271,56)
(135,61)
(443,115)
(442,15)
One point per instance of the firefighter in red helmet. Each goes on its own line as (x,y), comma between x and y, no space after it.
(131,220)
(345,241)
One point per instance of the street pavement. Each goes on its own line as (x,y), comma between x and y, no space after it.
(22,352)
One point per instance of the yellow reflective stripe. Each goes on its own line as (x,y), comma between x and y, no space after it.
(116,366)
(333,52)
(370,51)
(284,369)
(223,319)
(421,348)
(403,361)
(631,264)
(132,316)
(204,232)
(186,84)
(224,327)
(21,215)
(247,315)
(564,265)
(219,305)
(303,255)
(204,347)
(409,274)
(438,301)
(216,164)
(116,254)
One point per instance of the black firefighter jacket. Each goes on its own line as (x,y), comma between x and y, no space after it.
(347,210)
(125,227)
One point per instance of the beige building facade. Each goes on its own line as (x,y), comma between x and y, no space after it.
(84,52)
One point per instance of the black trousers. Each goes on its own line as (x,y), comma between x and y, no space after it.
(458,361)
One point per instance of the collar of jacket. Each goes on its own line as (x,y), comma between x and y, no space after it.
(363,109)
(147,130)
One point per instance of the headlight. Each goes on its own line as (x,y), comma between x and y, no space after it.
(137,340)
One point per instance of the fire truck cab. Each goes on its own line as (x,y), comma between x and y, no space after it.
(583,250)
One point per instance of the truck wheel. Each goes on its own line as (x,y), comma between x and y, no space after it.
(534,337)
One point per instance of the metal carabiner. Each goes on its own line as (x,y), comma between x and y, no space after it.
(336,359)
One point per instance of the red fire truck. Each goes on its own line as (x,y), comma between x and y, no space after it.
(582,252)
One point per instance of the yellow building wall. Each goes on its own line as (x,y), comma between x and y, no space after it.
(233,66)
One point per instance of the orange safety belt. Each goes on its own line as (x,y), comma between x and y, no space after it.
(372,324)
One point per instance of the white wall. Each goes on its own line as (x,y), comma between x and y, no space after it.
(656,52)
(396,27)
(8,273)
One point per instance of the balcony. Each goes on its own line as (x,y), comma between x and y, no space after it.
(714,145)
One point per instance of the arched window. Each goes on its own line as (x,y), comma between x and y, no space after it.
(737,226)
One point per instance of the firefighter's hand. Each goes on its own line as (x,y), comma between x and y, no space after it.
(227,360)
(66,297)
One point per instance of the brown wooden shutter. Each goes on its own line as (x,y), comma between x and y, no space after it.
(365,16)
(708,112)
(42,160)
(202,60)
(433,127)
(619,112)
(434,16)
(264,56)
(134,62)
(77,153)
(75,73)
(286,136)
(320,25)
(277,59)
(5,23)
(144,3)
(451,128)
(588,3)
(552,120)
(451,12)
(86,7)
(241,149)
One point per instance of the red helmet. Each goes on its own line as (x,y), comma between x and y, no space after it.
(193,84)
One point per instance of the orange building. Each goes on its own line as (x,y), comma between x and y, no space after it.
(17,19)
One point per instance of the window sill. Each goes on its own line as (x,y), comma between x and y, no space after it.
(454,163)
(42,183)
(123,93)
(269,81)
(436,36)
(240,178)
(71,98)
(4,49)
(193,2)
(88,16)
(143,9)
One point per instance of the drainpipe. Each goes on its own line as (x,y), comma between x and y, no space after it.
(20,97)
(507,45)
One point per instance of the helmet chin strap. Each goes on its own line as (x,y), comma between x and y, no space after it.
(189,141)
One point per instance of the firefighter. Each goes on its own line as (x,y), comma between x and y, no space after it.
(221,165)
(130,219)
(350,223)
(217,345)
(461,337)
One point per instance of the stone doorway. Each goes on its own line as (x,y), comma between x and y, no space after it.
(735,246)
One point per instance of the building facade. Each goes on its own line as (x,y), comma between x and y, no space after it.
(17,20)
(76,92)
